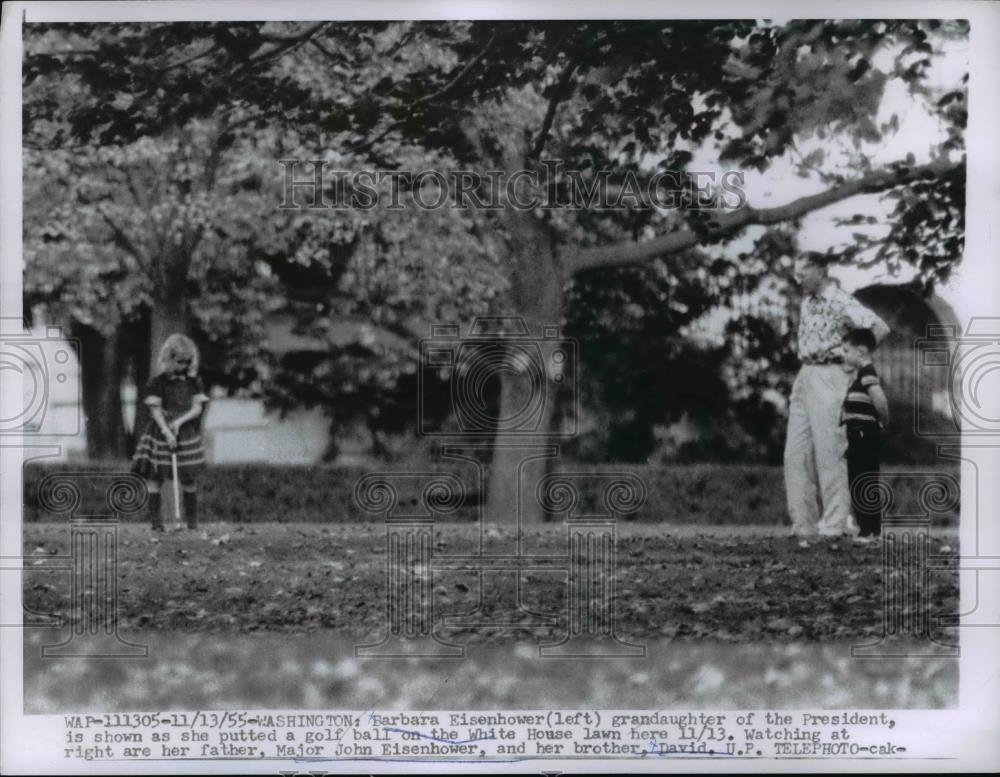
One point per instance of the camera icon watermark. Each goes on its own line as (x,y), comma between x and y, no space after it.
(911,625)
(591,558)
(471,368)
(44,363)
(410,504)
(91,621)
(960,375)
(511,395)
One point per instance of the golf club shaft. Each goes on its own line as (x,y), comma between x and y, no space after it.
(177,488)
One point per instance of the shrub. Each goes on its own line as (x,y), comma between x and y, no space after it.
(708,494)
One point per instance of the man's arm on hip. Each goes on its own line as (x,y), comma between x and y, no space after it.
(863,318)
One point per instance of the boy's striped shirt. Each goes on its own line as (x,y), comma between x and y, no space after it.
(858,405)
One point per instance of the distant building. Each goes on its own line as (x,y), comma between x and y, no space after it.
(912,317)
(236,429)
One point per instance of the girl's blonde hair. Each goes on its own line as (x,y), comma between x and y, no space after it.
(178,345)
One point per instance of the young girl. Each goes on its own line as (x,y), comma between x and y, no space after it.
(176,398)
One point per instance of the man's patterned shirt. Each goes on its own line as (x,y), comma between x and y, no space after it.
(825,318)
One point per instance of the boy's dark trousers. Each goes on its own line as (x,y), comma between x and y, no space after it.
(863,445)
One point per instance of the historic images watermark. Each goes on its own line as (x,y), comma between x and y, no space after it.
(39,362)
(961,362)
(93,559)
(964,360)
(494,347)
(588,503)
(970,360)
(909,625)
(42,362)
(318,184)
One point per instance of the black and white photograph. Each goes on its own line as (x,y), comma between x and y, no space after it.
(469,390)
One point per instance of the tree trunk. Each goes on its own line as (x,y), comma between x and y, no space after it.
(102,369)
(168,316)
(137,336)
(536,298)
(524,447)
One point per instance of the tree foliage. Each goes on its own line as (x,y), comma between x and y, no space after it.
(154,152)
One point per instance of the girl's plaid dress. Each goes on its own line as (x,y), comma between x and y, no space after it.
(175,395)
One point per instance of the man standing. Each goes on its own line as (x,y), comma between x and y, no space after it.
(815,467)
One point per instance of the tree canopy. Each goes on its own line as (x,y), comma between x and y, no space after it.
(154,156)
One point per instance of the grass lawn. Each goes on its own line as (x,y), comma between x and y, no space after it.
(735,584)
(268,616)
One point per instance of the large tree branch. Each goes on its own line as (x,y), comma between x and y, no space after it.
(284,45)
(732,222)
(215,153)
(308,32)
(193,58)
(365,145)
(461,73)
(136,190)
(326,52)
(285,42)
(123,241)
(558,93)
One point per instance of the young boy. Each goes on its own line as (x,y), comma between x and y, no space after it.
(865,414)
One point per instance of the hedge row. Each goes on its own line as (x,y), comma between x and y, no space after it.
(706,494)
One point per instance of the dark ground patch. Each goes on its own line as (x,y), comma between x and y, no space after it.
(741,586)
